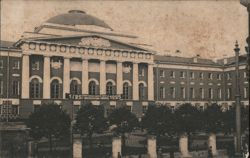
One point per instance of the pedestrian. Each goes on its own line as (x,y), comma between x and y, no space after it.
(209,153)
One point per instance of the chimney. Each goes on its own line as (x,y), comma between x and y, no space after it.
(195,59)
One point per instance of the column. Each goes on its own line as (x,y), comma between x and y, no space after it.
(152,147)
(135,82)
(46,77)
(119,78)
(77,148)
(150,82)
(102,77)
(85,76)
(25,76)
(183,146)
(66,76)
(116,147)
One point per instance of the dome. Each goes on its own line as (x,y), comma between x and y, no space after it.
(77,17)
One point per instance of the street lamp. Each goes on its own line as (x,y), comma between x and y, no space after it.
(237,101)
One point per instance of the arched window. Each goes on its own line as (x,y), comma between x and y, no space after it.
(34,88)
(141,91)
(109,88)
(125,91)
(74,87)
(55,89)
(92,88)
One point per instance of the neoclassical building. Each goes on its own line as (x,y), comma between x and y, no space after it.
(74,58)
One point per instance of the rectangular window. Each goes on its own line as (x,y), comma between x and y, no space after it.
(172,92)
(172,74)
(182,74)
(35,65)
(245,92)
(1,87)
(183,93)
(15,87)
(1,63)
(229,76)
(16,64)
(192,75)
(210,93)
(201,91)
(162,92)
(210,76)
(192,93)
(219,93)
(144,108)
(201,75)
(162,73)
(229,93)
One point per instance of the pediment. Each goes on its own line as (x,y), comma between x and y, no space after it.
(92,41)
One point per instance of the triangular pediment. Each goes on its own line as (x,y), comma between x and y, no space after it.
(91,41)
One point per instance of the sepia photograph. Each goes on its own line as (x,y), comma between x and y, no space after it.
(124,78)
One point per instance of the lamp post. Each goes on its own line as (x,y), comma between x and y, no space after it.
(237,101)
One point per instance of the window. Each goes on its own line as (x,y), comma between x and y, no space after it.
(16,64)
(15,87)
(74,87)
(219,93)
(55,89)
(162,92)
(125,91)
(210,76)
(162,73)
(35,65)
(144,108)
(35,88)
(229,76)
(92,88)
(1,63)
(192,94)
(201,91)
(141,91)
(210,93)
(201,75)
(172,74)
(11,110)
(183,93)
(109,88)
(192,75)
(1,87)
(218,76)
(172,92)
(182,74)
(36,107)
(245,92)
(229,93)
(141,71)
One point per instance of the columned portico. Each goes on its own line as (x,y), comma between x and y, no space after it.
(46,77)
(150,82)
(85,76)
(25,76)
(135,81)
(119,77)
(66,76)
(102,77)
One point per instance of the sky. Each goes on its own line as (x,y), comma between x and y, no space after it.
(205,27)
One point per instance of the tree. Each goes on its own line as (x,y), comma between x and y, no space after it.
(187,119)
(158,120)
(90,120)
(49,121)
(229,119)
(124,122)
(212,120)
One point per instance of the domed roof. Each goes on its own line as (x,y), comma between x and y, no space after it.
(77,17)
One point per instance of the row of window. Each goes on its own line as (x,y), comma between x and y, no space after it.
(75,88)
(9,110)
(16,64)
(201,93)
(210,76)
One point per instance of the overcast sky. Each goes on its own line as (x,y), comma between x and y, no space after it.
(209,28)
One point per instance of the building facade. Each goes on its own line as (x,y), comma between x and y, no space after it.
(75,58)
